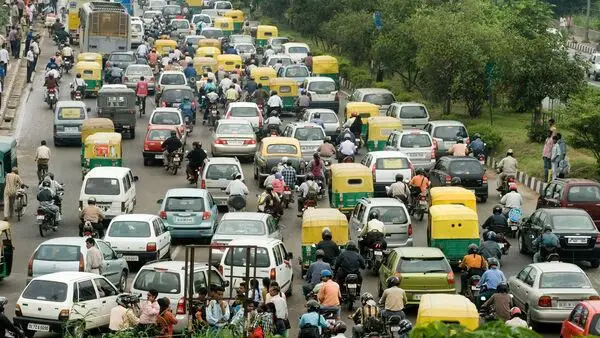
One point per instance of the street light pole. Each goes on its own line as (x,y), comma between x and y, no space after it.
(587,21)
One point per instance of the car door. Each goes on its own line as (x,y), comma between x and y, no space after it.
(287,269)
(545,199)
(107,299)
(573,327)
(165,234)
(276,253)
(356,218)
(387,269)
(389,145)
(438,173)
(159,235)
(86,305)
(111,269)
(517,288)
(527,289)
(212,206)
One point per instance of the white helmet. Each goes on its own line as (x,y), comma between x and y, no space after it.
(284,159)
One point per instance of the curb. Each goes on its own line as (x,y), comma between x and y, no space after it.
(530,182)
(581,47)
(7,92)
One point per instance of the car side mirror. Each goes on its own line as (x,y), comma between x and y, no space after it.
(290,256)
(136,178)
(159,201)
(225,283)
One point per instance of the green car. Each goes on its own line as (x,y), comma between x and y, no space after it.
(422,269)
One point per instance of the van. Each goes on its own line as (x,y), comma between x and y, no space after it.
(392,212)
(112,187)
(68,118)
(137,33)
(412,114)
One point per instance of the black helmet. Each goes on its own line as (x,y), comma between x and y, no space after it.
(502,288)
(459,140)
(92,200)
(319,253)
(419,171)
(326,234)
(473,248)
(497,210)
(309,177)
(339,327)
(547,228)
(289,162)
(455,181)
(313,305)
(493,261)
(392,281)
(317,115)
(173,133)
(351,246)
(374,215)
(366,297)
(490,235)
(399,177)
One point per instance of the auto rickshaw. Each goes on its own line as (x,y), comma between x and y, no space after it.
(118,105)
(326,65)
(364,110)
(348,183)
(101,150)
(92,57)
(264,33)
(272,149)
(449,309)
(6,250)
(195,6)
(314,220)
(208,52)
(229,61)
(202,63)
(225,24)
(94,125)
(91,73)
(453,195)
(8,157)
(287,89)
(452,228)
(210,43)
(238,19)
(164,46)
(379,130)
(263,75)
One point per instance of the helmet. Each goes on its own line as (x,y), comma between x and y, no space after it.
(273,113)
(399,177)
(326,273)
(491,235)
(509,152)
(419,171)
(237,176)
(512,187)
(493,261)
(515,311)
(78,75)
(366,297)
(392,281)
(289,162)
(347,137)
(351,246)
(547,228)
(309,177)
(502,288)
(319,253)
(46,184)
(459,140)
(326,234)
(473,248)
(92,200)
(52,59)
(313,305)
(497,210)
(373,215)
(476,136)
(339,327)
(455,181)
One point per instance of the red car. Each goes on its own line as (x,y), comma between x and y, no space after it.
(583,320)
(573,193)
(155,136)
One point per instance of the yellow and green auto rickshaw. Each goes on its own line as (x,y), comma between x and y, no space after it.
(92,57)
(287,89)
(208,52)
(453,195)
(452,228)
(238,19)
(348,183)
(264,33)
(101,150)
(263,75)
(225,24)
(446,308)
(203,63)
(379,130)
(94,125)
(364,110)
(195,6)
(326,65)
(164,46)
(91,73)
(210,43)
(314,221)
(229,61)
(7,249)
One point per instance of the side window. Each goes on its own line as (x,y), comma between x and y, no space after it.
(86,291)
(361,212)
(104,288)
(284,253)
(199,280)
(277,254)
(126,183)
(366,161)
(557,194)
(287,132)
(107,252)
(523,274)
(163,228)
(531,277)
(157,228)
(273,226)
(575,316)
(391,259)
(584,317)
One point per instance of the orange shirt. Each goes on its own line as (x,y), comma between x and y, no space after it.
(329,294)
(165,322)
(420,181)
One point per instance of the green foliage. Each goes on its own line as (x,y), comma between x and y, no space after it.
(488,330)
(274,8)
(567,7)
(346,29)
(4,17)
(583,119)
(537,132)
(492,137)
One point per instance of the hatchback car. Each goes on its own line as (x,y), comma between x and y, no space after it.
(277,43)
(573,193)
(233,138)
(222,5)
(381,97)
(547,292)
(385,166)
(170,12)
(155,136)
(392,212)
(139,237)
(168,117)
(168,278)
(583,320)
(273,60)
(323,92)
(444,134)
(270,153)
(69,254)
(133,73)
(68,119)
(217,174)
(121,59)
(468,169)
(296,50)
(330,120)
(412,114)
(423,270)
(189,213)
(245,111)
(172,96)
(60,300)
(310,136)
(296,72)
(181,28)
(245,50)
(170,78)
(578,237)
(416,144)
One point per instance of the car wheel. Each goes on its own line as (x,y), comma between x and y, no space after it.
(168,255)
(595,263)
(123,281)
(289,291)
(521,242)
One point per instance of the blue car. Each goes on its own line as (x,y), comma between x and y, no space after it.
(189,213)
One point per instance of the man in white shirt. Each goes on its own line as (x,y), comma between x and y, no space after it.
(4,57)
(347,148)
(225,84)
(42,157)
(30,63)
(513,199)
(274,102)
(237,187)
(142,50)
(94,257)
(269,52)
(67,52)
(36,52)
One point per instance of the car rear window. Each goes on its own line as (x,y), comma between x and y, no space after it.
(133,70)
(309,134)
(584,193)
(136,28)
(245,48)
(228,128)
(221,171)
(466,168)
(296,71)
(102,186)
(165,118)
(71,113)
(298,50)
(172,10)
(212,33)
(46,290)
(413,112)
(392,163)
(391,215)
(243,112)
(177,95)
(572,222)
(185,204)
(129,229)
(223,5)
(57,253)
(240,255)
(284,61)
(121,57)
(564,280)
(158,4)
(241,227)
(450,133)
(172,79)
(321,87)
(328,118)
(423,265)
(281,149)
(180,24)
(201,18)
(417,140)
(159,134)
(379,99)
(279,42)
(162,281)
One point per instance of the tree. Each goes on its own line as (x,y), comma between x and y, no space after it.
(352,33)
(582,119)
(492,329)
(309,16)
(397,51)
(274,8)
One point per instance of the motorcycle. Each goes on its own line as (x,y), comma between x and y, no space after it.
(46,220)
(375,256)
(351,290)
(67,65)
(506,182)
(174,162)
(472,290)
(10,329)
(396,327)
(189,126)
(514,222)
(287,197)
(89,231)
(213,114)
(51,97)
(419,205)
(321,193)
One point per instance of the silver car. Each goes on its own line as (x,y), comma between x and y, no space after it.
(234,137)
(412,114)
(217,174)
(70,254)
(193,39)
(245,50)
(241,38)
(378,96)
(277,43)
(330,120)
(392,212)
(547,292)
(310,136)
(133,73)
(444,134)
(414,143)
(181,28)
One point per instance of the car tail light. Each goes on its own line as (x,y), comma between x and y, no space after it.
(64,315)
(450,277)
(18,311)
(125,79)
(81,263)
(123,207)
(40,212)
(273,274)
(448,179)
(30,266)
(410,230)
(162,214)
(151,247)
(220,141)
(412,168)
(249,141)
(545,301)
(206,215)
(228,114)
(484,179)
(203,184)
(221,269)
(181,306)
(594,298)
(146,147)
(598,239)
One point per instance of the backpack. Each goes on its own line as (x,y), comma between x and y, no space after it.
(313,190)
(309,331)
(370,318)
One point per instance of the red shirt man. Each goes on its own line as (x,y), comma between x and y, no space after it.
(141,88)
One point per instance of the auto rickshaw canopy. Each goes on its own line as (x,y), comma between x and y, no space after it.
(364,109)
(451,221)
(96,125)
(325,64)
(447,308)
(103,145)
(453,195)
(315,220)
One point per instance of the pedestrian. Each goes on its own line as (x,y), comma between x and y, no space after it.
(562,146)
(36,52)
(4,58)
(552,126)
(12,39)
(555,157)
(93,257)
(308,61)
(28,39)
(217,311)
(149,311)
(12,184)
(20,7)
(546,154)
(18,37)
(30,63)
(165,319)
(0,94)
(282,323)
(14,14)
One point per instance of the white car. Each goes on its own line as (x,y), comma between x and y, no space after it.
(139,237)
(167,116)
(52,302)
(412,114)
(170,78)
(296,50)
(416,144)
(245,111)
(149,16)
(385,165)
(286,60)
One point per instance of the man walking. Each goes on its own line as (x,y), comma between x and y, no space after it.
(4,58)
(12,184)
(546,154)
(93,256)
(30,63)
(12,39)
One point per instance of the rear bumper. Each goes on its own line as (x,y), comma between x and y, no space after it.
(549,315)
(243,150)
(71,138)
(579,254)
(151,154)
(190,232)
(409,242)
(414,296)
(481,191)
(55,325)
(333,105)
(142,256)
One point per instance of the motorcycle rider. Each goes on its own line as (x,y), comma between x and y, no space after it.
(250,86)
(346,148)
(55,187)
(339,329)
(312,322)
(46,198)
(329,246)
(400,190)
(546,243)
(269,202)
(316,168)
(350,121)
(52,64)
(190,71)
(313,273)
(371,233)
(236,189)
(419,182)
(67,53)
(289,174)
(501,302)
(274,103)
(393,298)
(318,120)
(272,122)
(50,83)
(196,159)
(309,189)
(516,318)
(490,248)
(42,157)
(349,262)
(211,99)
(512,200)
(491,278)
(476,147)
(507,167)
(329,293)
(188,109)
(141,91)
(345,133)
(367,317)
(471,264)
(497,219)
(169,147)
(91,213)
(78,84)
(326,149)
(459,148)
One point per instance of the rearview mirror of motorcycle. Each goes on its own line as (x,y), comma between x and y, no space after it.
(159,201)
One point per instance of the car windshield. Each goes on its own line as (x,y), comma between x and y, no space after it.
(564,280)
(450,133)
(172,79)
(296,72)
(392,163)
(161,281)
(413,112)
(180,24)
(212,33)
(102,186)
(158,4)
(177,95)
(57,253)
(245,48)
(584,193)
(185,204)
(379,99)
(159,134)
(221,171)
(466,168)
(71,113)
(240,255)
(171,10)
(572,222)
(201,18)
(309,134)
(242,38)
(321,87)
(298,50)
(229,128)
(129,229)
(241,227)
(193,40)
(223,5)
(165,118)
(121,57)
(46,290)
(281,149)
(391,214)
(243,112)
(139,71)
(149,14)
(423,265)
(417,140)
(136,28)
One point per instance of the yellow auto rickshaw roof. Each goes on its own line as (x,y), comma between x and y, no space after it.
(97,122)
(208,49)
(205,60)
(325,59)
(349,170)
(266,28)
(283,81)
(451,193)
(103,138)
(210,42)
(87,65)
(361,107)
(165,42)
(229,57)
(88,56)
(223,19)
(320,214)
(235,13)
(315,220)
(452,212)
(441,306)
(261,71)
(281,140)
(384,120)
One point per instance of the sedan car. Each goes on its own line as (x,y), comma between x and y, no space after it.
(274,59)
(247,111)
(193,39)
(167,116)
(241,38)
(547,292)
(468,169)
(233,138)
(155,136)
(310,135)
(573,193)
(385,165)
(296,72)
(583,320)
(212,33)
(188,213)
(245,50)
(444,134)
(180,28)
(170,78)
(378,96)
(216,175)
(416,144)
(423,270)
(578,237)
(133,73)
(121,59)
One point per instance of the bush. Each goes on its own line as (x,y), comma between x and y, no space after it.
(537,132)
(491,137)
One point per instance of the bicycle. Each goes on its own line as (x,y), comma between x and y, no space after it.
(42,171)
(141,103)
(21,201)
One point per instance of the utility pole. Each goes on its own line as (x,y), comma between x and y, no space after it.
(587,21)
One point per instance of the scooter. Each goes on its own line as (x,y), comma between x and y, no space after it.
(51,97)
(287,197)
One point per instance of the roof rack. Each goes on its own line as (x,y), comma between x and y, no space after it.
(107,6)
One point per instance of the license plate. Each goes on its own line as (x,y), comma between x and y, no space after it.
(416,297)
(474,288)
(577,240)
(351,286)
(176,105)
(38,327)
(40,217)
(71,129)
(395,328)
(514,227)
(131,258)
(378,253)
(569,305)
(185,220)
(159,157)
(236,143)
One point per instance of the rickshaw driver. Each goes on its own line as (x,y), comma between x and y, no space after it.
(170,146)
(372,233)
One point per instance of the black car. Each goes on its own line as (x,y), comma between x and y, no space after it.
(122,59)
(468,169)
(171,12)
(172,96)
(578,237)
